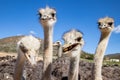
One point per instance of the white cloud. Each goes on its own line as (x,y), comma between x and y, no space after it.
(32,32)
(19,34)
(117,29)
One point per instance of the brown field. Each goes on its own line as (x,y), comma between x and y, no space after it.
(2,54)
(60,69)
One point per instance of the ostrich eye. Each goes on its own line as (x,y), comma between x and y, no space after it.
(53,14)
(110,23)
(99,23)
(78,39)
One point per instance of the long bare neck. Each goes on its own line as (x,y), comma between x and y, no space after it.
(60,51)
(48,40)
(74,65)
(102,43)
(48,52)
(98,59)
(19,66)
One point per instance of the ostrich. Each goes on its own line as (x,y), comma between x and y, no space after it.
(59,45)
(106,26)
(27,48)
(72,48)
(47,19)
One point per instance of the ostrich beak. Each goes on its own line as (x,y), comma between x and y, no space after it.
(31,56)
(68,47)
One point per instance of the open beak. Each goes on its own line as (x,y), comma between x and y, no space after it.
(31,56)
(67,47)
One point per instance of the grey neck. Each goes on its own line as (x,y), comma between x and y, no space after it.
(19,67)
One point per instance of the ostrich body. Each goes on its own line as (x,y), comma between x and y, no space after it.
(72,48)
(27,49)
(47,19)
(106,26)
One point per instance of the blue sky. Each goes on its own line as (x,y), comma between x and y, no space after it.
(19,17)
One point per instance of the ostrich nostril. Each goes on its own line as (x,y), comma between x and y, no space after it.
(104,25)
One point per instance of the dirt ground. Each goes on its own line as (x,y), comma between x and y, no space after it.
(2,54)
(60,69)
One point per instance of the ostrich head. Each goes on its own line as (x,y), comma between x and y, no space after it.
(29,47)
(72,39)
(47,16)
(58,43)
(106,24)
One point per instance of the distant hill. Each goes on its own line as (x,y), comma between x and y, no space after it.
(86,55)
(9,44)
(113,56)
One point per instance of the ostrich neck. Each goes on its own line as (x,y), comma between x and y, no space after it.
(60,51)
(74,64)
(48,52)
(48,41)
(102,43)
(19,66)
(98,59)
